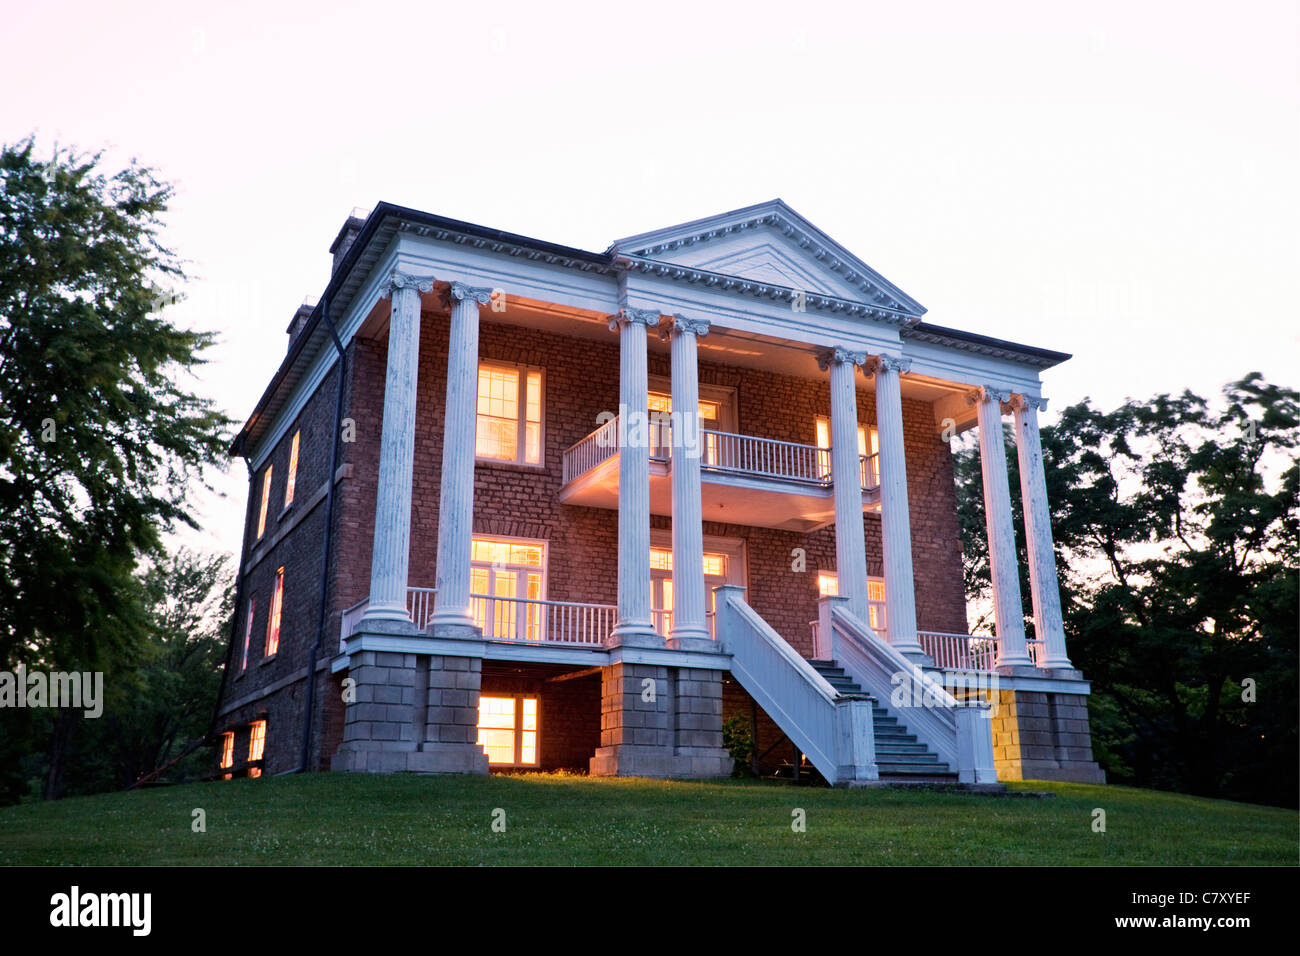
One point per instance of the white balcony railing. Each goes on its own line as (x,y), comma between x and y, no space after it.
(419,604)
(966,651)
(721,452)
(535,621)
(663,622)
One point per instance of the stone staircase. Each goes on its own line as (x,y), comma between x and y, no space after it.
(900,757)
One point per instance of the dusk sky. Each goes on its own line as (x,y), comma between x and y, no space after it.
(1115,180)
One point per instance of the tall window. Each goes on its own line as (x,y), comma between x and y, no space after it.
(507,730)
(293,470)
(716,415)
(248,635)
(273,619)
(868,445)
(227,750)
(828,583)
(266,499)
(509,414)
(504,572)
(256,744)
(661,584)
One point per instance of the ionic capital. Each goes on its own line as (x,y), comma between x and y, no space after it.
(678,324)
(459,291)
(647,317)
(403,280)
(988,393)
(1019,401)
(838,356)
(887,363)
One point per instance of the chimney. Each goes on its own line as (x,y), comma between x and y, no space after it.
(299,321)
(347,235)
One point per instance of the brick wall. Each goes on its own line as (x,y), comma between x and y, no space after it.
(581,381)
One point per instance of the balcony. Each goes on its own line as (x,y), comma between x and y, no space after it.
(760,482)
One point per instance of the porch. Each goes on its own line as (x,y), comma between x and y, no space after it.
(744,479)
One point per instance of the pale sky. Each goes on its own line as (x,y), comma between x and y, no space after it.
(1115,180)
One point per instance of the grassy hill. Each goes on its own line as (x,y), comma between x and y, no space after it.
(325,819)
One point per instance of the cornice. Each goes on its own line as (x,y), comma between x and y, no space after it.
(505,246)
(763,290)
(961,344)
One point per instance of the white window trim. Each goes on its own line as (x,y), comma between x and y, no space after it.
(519,729)
(522,581)
(521,422)
(724,395)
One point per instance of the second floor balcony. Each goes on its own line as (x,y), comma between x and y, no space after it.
(744,479)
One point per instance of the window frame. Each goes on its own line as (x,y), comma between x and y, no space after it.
(227,750)
(521,585)
(256,741)
(266,501)
(872,605)
(248,634)
(518,731)
(868,438)
(291,479)
(521,421)
(275,617)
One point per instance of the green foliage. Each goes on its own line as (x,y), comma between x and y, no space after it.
(1177,538)
(738,738)
(99,440)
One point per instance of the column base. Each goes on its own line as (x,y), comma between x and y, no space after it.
(704,645)
(635,636)
(438,758)
(456,630)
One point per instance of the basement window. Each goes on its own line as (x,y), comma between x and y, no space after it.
(507,730)
(509,426)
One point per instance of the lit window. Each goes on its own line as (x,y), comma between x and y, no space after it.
(293,470)
(828,584)
(661,584)
(227,750)
(868,438)
(508,582)
(256,741)
(266,498)
(273,619)
(507,730)
(509,414)
(248,635)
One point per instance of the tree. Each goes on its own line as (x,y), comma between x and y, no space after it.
(1177,537)
(99,440)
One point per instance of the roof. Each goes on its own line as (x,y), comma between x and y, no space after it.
(637,252)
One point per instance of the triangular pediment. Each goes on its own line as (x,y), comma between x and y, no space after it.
(772,244)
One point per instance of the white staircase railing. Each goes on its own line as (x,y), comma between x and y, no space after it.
(833,731)
(959,732)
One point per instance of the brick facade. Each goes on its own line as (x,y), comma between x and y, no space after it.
(580,382)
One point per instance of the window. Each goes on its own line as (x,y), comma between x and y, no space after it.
(504,574)
(717,414)
(868,438)
(661,584)
(273,619)
(227,750)
(256,744)
(509,414)
(248,634)
(293,470)
(828,583)
(507,730)
(266,498)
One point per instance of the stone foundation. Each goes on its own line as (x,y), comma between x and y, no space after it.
(659,721)
(1043,736)
(414,713)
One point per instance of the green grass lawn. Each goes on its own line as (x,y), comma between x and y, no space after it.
(328,819)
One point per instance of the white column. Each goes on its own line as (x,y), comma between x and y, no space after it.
(390,559)
(689,614)
(451,607)
(1008,612)
(895,519)
(846,478)
(1044,586)
(635,625)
